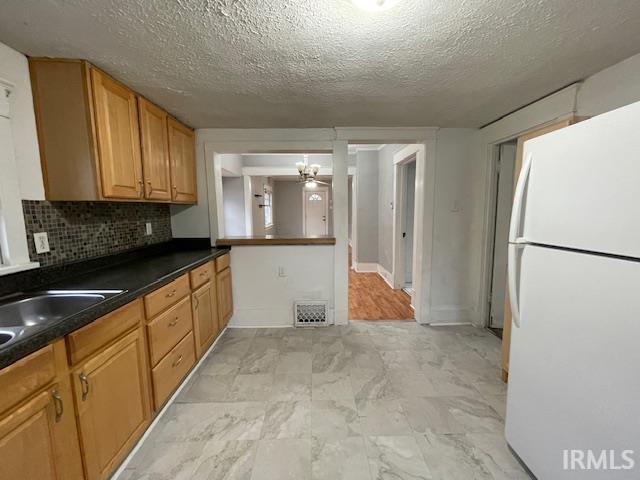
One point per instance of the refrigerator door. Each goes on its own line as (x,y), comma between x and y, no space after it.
(583,190)
(574,378)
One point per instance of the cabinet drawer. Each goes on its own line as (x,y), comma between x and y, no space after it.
(201,275)
(166,330)
(89,339)
(164,297)
(223,262)
(27,375)
(172,369)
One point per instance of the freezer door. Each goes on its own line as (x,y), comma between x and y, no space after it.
(584,185)
(574,377)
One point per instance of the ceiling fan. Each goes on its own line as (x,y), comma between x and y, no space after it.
(309,173)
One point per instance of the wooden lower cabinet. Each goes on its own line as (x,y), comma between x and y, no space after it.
(113,401)
(225,296)
(38,436)
(205,316)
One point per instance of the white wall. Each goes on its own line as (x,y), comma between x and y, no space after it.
(14,68)
(231,164)
(262,298)
(233,204)
(611,88)
(367,206)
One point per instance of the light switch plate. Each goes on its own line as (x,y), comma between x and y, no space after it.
(42,242)
(149,230)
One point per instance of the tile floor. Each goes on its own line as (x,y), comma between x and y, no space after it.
(368,401)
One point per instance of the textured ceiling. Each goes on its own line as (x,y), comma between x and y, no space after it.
(324,63)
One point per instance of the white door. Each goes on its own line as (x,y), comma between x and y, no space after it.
(409,209)
(504,201)
(584,185)
(316,205)
(573,375)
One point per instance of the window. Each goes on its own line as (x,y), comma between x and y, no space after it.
(267,206)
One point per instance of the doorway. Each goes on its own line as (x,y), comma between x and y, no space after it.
(315,211)
(503,181)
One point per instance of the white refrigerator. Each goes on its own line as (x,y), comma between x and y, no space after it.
(574,283)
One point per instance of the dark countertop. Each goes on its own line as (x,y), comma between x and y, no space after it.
(137,275)
(277,240)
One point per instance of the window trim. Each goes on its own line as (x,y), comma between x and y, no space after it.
(267,193)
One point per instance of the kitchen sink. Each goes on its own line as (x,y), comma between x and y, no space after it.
(22,313)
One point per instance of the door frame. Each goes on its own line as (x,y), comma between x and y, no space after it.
(304,208)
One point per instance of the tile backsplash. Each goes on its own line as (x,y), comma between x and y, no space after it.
(82,230)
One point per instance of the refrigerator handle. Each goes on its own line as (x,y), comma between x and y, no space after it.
(512,276)
(518,199)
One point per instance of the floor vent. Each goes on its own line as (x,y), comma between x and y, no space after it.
(310,313)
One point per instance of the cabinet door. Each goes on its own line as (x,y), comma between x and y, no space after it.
(29,444)
(183,163)
(112,396)
(225,297)
(155,151)
(116,119)
(205,316)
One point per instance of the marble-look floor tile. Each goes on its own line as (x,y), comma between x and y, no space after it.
(225,461)
(498,403)
(213,421)
(288,459)
(261,358)
(328,386)
(220,364)
(400,360)
(294,362)
(336,418)
(493,452)
(272,332)
(166,461)
(410,383)
(396,458)
(297,343)
(339,459)
(451,457)
(232,332)
(287,420)
(430,415)
(251,387)
(475,415)
(206,388)
(382,417)
(373,383)
(291,386)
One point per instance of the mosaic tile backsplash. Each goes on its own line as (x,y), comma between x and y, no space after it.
(81,230)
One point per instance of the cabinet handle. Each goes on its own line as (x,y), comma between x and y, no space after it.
(171,294)
(177,362)
(59,406)
(150,186)
(197,303)
(205,273)
(141,191)
(174,322)
(84,382)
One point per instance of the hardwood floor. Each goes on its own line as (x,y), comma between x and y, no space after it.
(370,298)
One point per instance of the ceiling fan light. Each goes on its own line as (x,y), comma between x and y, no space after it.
(312,184)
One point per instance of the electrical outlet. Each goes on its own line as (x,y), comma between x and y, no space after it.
(149,230)
(42,242)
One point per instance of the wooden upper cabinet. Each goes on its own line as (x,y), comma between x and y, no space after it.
(100,141)
(116,118)
(183,163)
(155,151)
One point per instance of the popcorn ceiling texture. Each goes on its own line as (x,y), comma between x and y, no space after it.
(325,63)
(83,230)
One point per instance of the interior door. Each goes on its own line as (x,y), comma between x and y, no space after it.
(409,210)
(316,205)
(116,116)
(573,381)
(504,200)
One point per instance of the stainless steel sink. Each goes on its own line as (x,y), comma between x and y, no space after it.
(22,313)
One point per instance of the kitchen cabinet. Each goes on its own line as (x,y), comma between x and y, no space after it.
(183,162)
(113,401)
(41,421)
(225,296)
(205,316)
(99,140)
(155,151)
